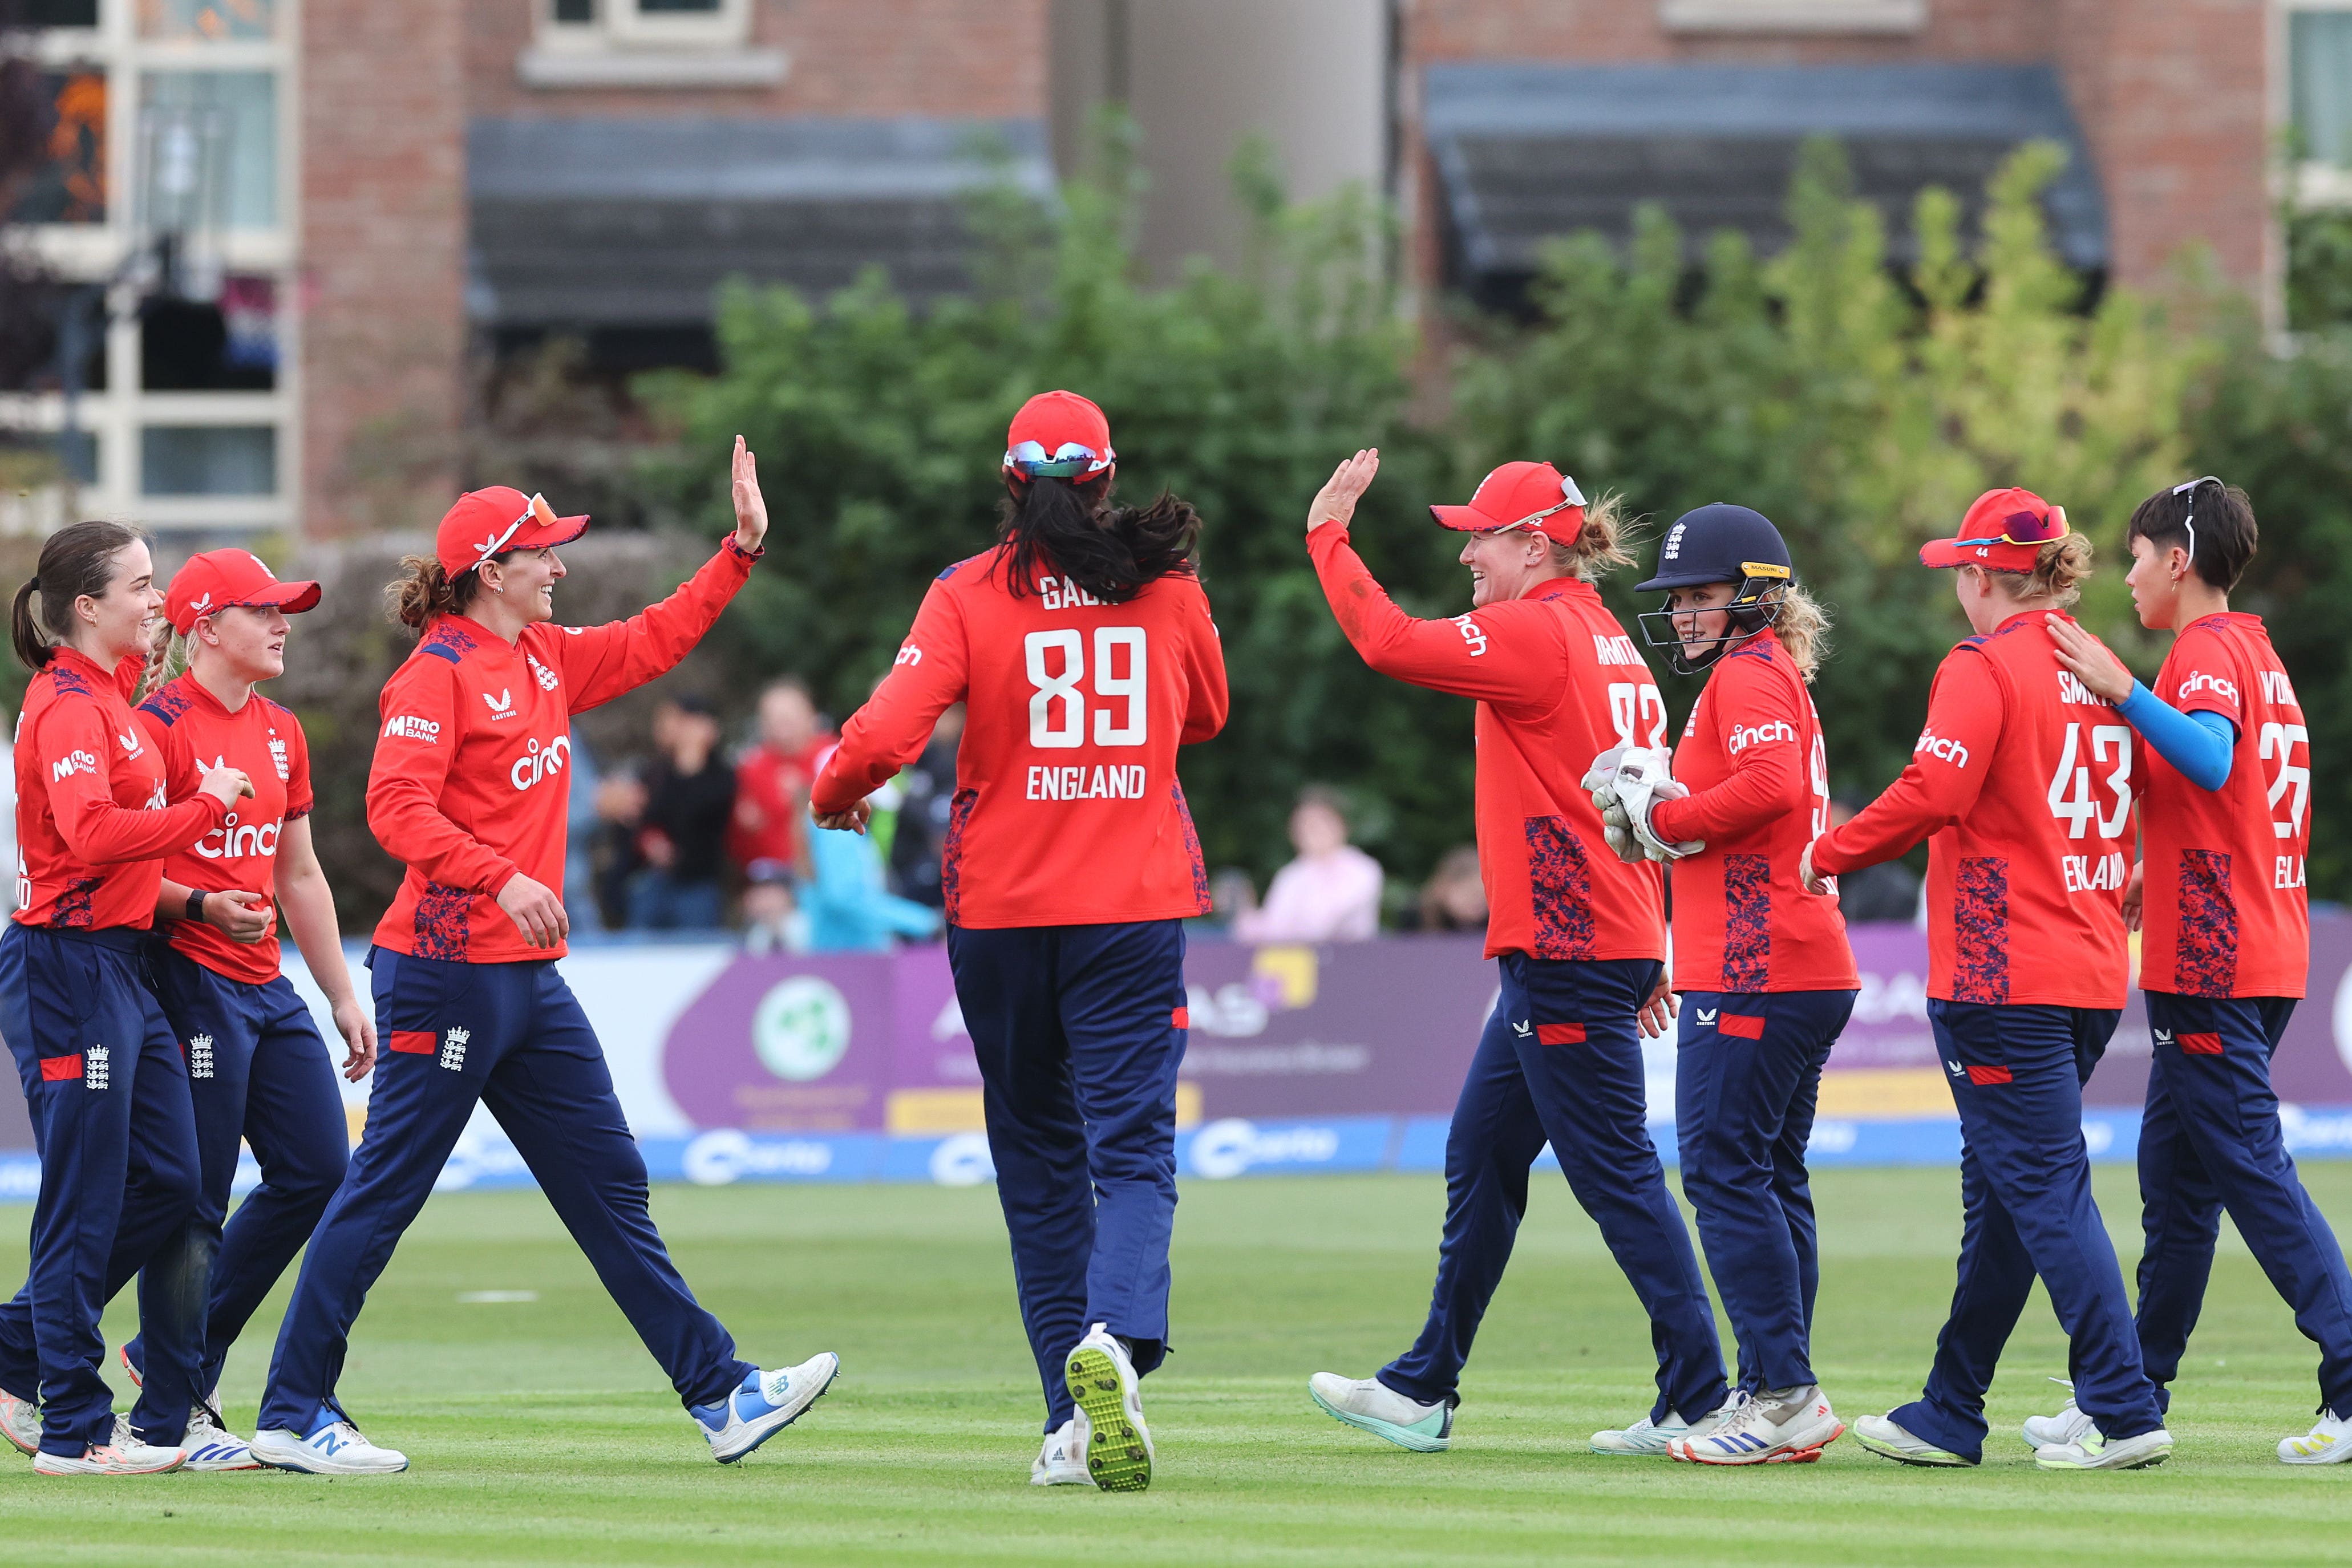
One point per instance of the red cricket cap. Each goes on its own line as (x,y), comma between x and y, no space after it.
(1058,436)
(1534,494)
(487,523)
(220,579)
(2004,531)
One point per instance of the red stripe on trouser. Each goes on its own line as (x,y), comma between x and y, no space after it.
(415,1041)
(1559,1034)
(58,1069)
(1181,1017)
(1989,1075)
(2201,1044)
(1744,1026)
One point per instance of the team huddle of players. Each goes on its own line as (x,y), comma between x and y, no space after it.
(164,819)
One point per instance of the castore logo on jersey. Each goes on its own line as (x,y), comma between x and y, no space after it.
(501,706)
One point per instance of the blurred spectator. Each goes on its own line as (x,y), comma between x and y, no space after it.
(1887,891)
(689,798)
(850,908)
(1331,892)
(770,825)
(927,788)
(614,859)
(580,829)
(1230,891)
(1454,896)
(773,920)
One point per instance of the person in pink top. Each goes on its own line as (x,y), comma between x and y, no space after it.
(1331,892)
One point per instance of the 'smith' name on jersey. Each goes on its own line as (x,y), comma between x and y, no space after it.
(1100,782)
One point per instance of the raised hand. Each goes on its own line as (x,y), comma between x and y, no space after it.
(2089,660)
(1336,501)
(751,506)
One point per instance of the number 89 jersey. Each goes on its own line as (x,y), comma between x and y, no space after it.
(2225,913)
(1067,810)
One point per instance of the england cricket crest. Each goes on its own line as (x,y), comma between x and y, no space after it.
(453,1048)
(200,1056)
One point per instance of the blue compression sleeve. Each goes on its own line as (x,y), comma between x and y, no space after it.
(2198,743)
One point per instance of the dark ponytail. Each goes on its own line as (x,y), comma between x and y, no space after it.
(1066,529)
(78,558)
(423,591)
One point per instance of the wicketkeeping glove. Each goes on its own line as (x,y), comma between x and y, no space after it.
(1601,778)
(1642,779)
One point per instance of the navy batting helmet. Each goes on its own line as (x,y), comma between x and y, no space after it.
(1718,543)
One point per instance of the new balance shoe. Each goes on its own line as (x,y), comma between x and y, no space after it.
(125,1456)
(2092,1451)
(1889,1441)
(1062,1462)
(210,1446)
(1370,1406)
(1646,1438)
(764,1405)
(1102,1381)
(1789,1428)
(20,1423)
(2328,1443)
(2066,1427)
(333,1447)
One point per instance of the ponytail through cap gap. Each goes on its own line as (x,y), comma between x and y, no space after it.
(78,558)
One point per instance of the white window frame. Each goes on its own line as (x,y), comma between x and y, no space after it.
(2315,181)
(622,46)
(92,252)
(1792,16)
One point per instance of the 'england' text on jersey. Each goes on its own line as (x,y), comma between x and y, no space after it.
(1081,783)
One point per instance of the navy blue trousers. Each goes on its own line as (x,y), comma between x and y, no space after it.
(259,1073)
(1746,1078)
(512,1037)
(1074,1030)
(2210,1140)
(1560,1061)
(108,1097)
(2017,1073)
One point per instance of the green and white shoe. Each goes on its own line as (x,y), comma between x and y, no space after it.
(1889,1441)
(1102,1381)
(1646,1439)
(2094,1451)
(1370,1406)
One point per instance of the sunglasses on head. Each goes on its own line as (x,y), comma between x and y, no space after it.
(2190,522)
(2026,528)
(1569,496)
(1070,460)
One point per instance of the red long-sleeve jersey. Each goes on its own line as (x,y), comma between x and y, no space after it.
(1557,681)
(1759,775)
(193,734)
(469,783)
(92,825)
(2025,779)
(1067,810)
(2225,911)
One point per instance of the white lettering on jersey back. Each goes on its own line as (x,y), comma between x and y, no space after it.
(1061,593)
(2275,689)
(1617,649)
(2072,690)
(1747,735)
(2086,873)
(1472,634)
(1048,782)
(1951,751)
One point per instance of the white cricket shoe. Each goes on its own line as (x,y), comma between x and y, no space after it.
(2328,1443)
(1764,1431)
(764,1405)
(20,1423)
(1646,1438)
(1062,1462)
(1102,1381)
(1370,1406)
(125,1456)
(139,1379)
(2066,1427)
(336,1448)
(1889,1441)
(210,1446)
(2092,1451)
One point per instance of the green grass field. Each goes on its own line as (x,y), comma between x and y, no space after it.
(540,1432)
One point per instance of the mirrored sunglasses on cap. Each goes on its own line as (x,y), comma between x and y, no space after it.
(534,510)
(1071,460)
(2025,529)
(1570,496)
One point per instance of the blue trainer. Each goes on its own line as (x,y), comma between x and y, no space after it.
(766,1404)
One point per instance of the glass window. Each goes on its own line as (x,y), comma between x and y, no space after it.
(208,460)
(70,187)
(678,7)
(208,21)
(210,149)
(575,12)
(61,14)
(2320,46)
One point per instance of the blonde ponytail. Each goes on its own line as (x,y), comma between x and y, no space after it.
(2060,569)
(166,657)
(1600,547)
(1802,626)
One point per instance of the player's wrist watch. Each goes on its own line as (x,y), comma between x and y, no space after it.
(196,904)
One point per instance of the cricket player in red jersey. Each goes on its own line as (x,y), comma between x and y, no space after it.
(468,790)
(102,1074)
(2024,778)
(1578,933)
(1766,975)
(2225,947)
(257,1070)
(1083,650)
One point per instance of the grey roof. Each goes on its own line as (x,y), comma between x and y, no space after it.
(633,222)
(1528,153)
